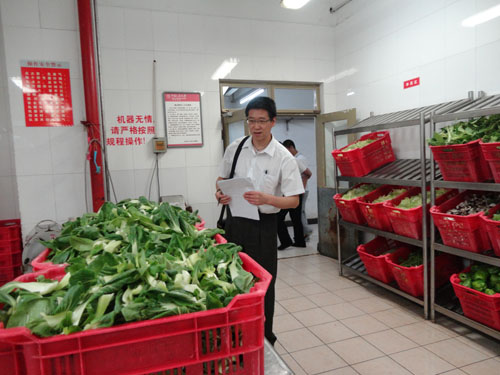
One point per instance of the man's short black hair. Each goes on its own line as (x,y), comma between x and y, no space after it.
(288,143)
(262,102)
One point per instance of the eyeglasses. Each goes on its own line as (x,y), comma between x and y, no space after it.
(255,122)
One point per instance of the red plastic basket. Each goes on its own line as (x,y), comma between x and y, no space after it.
(10,259)
(476,305)
(408,222)
(462,162)
(349,209)
(200,225)
(10,246)
(361,161)
(491,153)
(463,232)
(9,273)
(375,263)
(10,229)
(228,340)
(374,213)
(492,228)
(411,279)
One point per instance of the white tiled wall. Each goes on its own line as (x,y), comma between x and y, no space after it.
(189,40)
(368,47)
(49,162)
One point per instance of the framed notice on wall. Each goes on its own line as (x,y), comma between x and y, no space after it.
(183,119)
(46,93)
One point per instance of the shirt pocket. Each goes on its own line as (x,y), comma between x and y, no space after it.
(269,184)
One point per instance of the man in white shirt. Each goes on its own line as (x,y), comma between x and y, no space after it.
(299,228)
(277,183)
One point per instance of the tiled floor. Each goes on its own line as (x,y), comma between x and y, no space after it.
(332,325)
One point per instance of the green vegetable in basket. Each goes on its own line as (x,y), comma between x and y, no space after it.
(463,276)
(132,261)
(480,275)
(393,194)
(479,285)
(359,144)
(496,287)
(359,191)
(467,283)
(494,278)
(496,217)
(463,132)
(489,291)
(414,259)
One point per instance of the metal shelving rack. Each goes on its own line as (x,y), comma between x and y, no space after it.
(405,172)
(444,300)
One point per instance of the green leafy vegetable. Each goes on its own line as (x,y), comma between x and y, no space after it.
(463,132)
(359,191)
(414,259)
(416,200)
(359,144)
(131,261)
(393,194)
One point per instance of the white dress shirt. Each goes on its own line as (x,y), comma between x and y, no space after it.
(273,170)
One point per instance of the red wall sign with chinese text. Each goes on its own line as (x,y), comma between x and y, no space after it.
(411,83)
(183,119)
(46,93)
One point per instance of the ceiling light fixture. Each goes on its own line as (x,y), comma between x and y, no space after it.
(251,96)
(482,17)
(350,93)
(293,4)
(231,91)
(225,68)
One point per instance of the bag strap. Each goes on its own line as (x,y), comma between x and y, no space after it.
(236,155)
(231,174)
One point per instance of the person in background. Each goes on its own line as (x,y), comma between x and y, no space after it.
(276,178)
(297,215)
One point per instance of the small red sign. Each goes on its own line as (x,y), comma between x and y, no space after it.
(411,82)
(46,93)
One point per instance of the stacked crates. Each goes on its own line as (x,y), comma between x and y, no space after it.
(10,250)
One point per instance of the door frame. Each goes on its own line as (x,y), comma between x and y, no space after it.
(350,116)
(229,118)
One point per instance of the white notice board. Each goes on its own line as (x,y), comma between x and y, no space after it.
(183,119)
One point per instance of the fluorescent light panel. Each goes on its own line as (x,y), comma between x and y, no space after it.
(350,93)
(225,68)
(251,96)
(482,17)
(293,4)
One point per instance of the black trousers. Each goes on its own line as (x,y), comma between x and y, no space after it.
(258,239)
(298,228)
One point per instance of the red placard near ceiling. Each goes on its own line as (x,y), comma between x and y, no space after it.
(411,83)
(47,93)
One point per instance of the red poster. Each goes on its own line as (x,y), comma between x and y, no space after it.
(183,119)
(46,93)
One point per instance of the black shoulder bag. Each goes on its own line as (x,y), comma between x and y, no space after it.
(221,223)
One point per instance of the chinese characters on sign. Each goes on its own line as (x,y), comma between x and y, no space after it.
(46,93)
(411,82)
(183,119)
(131,131)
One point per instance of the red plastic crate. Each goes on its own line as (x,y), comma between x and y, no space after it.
(476,305)
(492,228)
(409,222)
(375,263)
(463,232)
(9,273)
(349,209)
(361,161)
(10,246)
(374,213)
(462,162)
(491,153)
(10,229)
(10,259)
(411,279)
(192,344)
(40,262)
